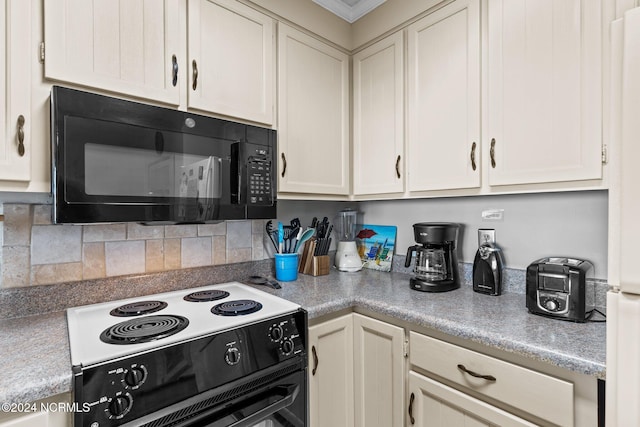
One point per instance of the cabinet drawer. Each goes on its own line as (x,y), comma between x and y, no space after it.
(538,394)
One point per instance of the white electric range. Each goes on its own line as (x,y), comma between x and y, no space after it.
(207,353)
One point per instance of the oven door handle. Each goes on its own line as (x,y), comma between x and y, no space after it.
(291,392)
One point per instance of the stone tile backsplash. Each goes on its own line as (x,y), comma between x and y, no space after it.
(35,252)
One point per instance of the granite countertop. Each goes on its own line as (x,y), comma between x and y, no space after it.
(35,360)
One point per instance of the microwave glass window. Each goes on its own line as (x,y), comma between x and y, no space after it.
(128,171)
(122,160)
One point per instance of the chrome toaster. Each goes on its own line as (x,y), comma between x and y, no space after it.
(557,287)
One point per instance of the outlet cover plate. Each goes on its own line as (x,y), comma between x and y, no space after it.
(486,235)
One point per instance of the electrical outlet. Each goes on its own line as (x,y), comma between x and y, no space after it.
(486,235)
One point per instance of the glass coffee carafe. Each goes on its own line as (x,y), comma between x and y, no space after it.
(430,264)
(436,265)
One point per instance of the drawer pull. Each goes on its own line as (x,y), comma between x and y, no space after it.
(398,167)
(315,360)
(476,375)
(411,399)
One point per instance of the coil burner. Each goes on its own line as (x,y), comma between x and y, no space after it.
(138,308)
(144,329)
(236,308)
(206,295)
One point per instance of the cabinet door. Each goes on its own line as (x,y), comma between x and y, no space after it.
(378,117)
(331,373)
(231,60)
(15,90)
(378,373)
(433,404)
(125,46)
(544,91)
(444,98)
(313,115)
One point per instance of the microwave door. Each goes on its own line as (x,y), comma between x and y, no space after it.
(200,189)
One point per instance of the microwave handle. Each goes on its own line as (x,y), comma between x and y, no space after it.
(236,174)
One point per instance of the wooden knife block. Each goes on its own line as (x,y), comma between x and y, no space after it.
(313,265)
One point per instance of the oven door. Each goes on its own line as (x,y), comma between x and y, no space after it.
(279,403)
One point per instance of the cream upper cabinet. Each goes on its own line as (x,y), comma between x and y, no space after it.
(231,60)
(378,117)
(313,115)
(443,90)
(544,91)
(433,404)
(15,90)
(331,373)
(130,47)
(378,373)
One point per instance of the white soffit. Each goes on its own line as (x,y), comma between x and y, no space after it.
(350,10)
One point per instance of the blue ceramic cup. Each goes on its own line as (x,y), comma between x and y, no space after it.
(286,267)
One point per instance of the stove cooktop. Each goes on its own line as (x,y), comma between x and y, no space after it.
(106,331)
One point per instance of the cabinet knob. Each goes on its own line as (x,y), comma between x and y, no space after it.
(473,156)
(174,70)
(21,135)
(194,65)
(492,152)
(398,167)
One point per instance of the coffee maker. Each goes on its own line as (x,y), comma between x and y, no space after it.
(436,268)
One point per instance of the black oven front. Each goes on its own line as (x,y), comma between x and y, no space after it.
(119,161)
(250,376)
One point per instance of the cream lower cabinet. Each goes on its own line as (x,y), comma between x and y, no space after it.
(131,47)
(544,91)
(524,395)
(356,373)
(331,373)
(313,115)
(378,372)
(433,404)
(231,59)
(15,91)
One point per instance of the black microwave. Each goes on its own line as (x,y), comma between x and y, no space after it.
(120,161)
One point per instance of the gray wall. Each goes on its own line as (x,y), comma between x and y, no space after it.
(534,225)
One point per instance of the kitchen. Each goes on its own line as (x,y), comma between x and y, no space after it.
(540,218)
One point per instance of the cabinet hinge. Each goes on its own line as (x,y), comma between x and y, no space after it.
(42,52)
(605,155)
(405,347)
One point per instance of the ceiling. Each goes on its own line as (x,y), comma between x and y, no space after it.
(350,10)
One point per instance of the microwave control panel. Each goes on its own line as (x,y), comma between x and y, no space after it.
(259,185)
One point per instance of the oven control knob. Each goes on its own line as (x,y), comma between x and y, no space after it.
(551,305)
(119,406)
(232,356)
(287,346)
(276,333)
(135,376)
